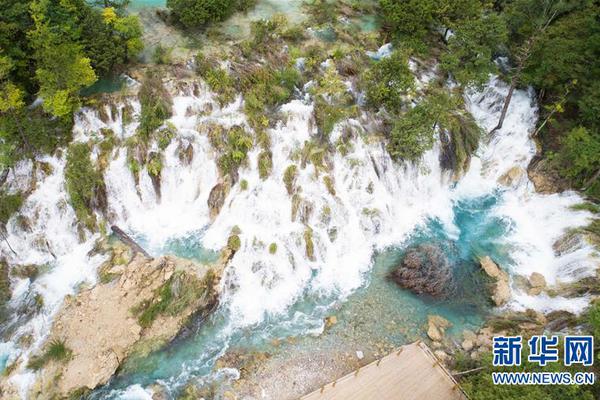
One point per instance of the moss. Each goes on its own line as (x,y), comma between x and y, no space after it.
(220,82)
(289,178)
(233,145)
(154,164)
(310,247)
(5,293)
(328,181)
(165,135)
(84,183)
(244,184)
(173,297)
(273,248)
(55,351)
(9,204)
(234,242)
(156,104)
(587,206)
(265,164)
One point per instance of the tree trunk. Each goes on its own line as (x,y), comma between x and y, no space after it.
(513,85)
(125,238)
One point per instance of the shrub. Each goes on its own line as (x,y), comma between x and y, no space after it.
(9,204)
(56,351)
(388,80)
(234,242)
(273,248)
(328,181)
(156,104)
(220,82)
(84,183)
(244,184)
(289,178)
(198,13)
(265,164)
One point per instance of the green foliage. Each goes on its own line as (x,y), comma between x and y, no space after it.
(9,204)
(388,81)
(220,82)
(178,293)
(310,247)
(412,134)
(289,178)
(328,181)
(83,182)
(161,55)
(470,49)
(580,154)
(234,242)
(56,351)
(198,13)
(273,248)
(265,164)
(244,184)
(156,104)
(233,145)
(479,385)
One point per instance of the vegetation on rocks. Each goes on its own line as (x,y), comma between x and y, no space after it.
(289,178)
(156,104)
(56,351)
(175,295)
(85,184)
(9,204)
(199,13)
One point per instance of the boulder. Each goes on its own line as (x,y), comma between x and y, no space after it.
(512,176)
(467,345)
(537,283)
(217,196)
(501,288)
(425,270)
(436,327)
(545,178)
(330,321)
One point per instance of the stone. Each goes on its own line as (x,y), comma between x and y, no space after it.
(512,176)
(360,355)
(537,283)
(545,178)
(330,321)
(501,294)
(217,196)
(441,355)
(436,327)
(467,345)
(501,289)
(425,269)
(469,335)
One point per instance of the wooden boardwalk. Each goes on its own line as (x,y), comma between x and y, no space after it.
(411,372)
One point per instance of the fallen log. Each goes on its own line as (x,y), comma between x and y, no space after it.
(125,238)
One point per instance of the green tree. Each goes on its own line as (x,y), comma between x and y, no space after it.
(198,13)
(388,81)
(471,49)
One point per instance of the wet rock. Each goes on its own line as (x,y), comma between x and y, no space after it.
(537,283)
(512,176)
(569,242)
(186,153)
(217,196)
(436,327)
(545,179)
(467,345)
(425,270)
(501,289)
(330,321)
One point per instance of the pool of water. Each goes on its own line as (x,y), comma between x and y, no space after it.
(139,4)
(379,312)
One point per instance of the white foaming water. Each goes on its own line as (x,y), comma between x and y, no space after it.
(47,237)
(377,203)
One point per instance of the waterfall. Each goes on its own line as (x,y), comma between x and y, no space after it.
(377,203)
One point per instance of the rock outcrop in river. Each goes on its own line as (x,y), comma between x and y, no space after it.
(143,306)
(425,270)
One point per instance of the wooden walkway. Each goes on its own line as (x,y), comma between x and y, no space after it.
(411,372)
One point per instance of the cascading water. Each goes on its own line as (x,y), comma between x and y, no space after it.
(377,204)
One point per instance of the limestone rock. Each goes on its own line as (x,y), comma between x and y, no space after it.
(537,283)
(544,178)
(501,290)
(217,196)
(467,345)
(512,176)
(330,321)
(436,327)
(101,328)
(425,269)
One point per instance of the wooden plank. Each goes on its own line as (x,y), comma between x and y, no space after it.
(412,374)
